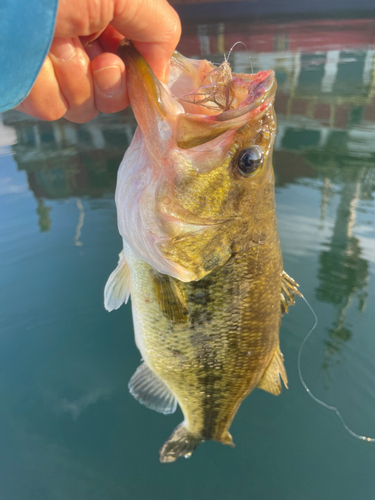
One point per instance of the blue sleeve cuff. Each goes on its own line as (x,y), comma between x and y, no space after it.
(26,32)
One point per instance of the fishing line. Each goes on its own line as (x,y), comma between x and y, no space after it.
(229,53)
(317,400)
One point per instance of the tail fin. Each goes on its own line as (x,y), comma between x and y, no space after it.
(180,444)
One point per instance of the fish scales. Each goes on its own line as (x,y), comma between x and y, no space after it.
(201,255)
(212,361)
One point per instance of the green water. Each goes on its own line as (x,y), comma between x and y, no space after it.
(69,429)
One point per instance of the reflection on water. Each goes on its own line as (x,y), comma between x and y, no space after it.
(65,160)
(343,272)
(324,160)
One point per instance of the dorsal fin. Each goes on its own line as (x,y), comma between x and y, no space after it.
(270,380)
(117,288)
(289,288)
(150,390)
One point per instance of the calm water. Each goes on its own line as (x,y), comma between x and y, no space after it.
(69,430)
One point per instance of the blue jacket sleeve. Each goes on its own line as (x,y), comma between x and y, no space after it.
(26,31)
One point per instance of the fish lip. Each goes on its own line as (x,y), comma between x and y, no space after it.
(264,84)
(264,91)
(139,73)
(195,129)
(268,84)
(267,79)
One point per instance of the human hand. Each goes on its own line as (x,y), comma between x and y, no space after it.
(82,75)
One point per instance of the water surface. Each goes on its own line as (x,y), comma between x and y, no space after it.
(69,429)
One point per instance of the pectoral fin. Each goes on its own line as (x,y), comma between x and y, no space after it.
(170,298)
(289,288)
(270,380)
(152,391)
(117,288)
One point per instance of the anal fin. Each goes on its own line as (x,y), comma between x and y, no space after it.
(117,288)
(270,380)
(150,390)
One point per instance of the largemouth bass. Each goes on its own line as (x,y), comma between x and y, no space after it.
(201,254)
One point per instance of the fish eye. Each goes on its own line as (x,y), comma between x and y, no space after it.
(250,160)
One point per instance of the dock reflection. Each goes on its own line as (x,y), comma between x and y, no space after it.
(64,159)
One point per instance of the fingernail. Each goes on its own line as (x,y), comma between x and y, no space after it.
(63,48)
(109,79)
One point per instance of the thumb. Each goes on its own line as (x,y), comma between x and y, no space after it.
(153,26)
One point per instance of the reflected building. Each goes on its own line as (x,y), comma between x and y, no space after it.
(63,159)
(326,124)
(260,11)
(343,273)
(265,36)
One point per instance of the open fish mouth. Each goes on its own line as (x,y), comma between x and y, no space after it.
(222,90)
(222,101)
(202,101)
